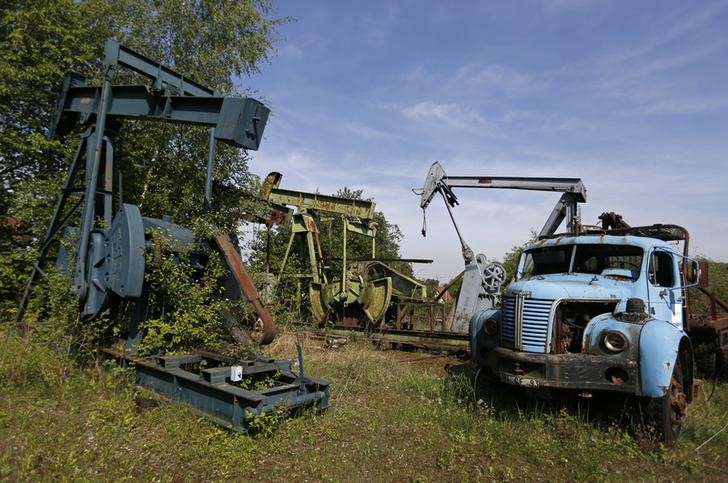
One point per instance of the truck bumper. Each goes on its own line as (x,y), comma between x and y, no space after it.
(564,371)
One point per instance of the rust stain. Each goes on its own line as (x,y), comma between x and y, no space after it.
(271,181)
(237,267)
(311,225)
(108,176)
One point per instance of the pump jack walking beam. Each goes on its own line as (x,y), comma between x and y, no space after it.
(567,207)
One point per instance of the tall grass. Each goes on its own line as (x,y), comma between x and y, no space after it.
(435,419)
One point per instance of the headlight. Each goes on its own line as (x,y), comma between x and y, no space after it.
(491,326)
(615,341)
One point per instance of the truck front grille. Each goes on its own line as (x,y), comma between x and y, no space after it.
(525,323)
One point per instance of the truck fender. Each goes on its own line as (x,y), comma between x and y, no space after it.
(478,337)
(661,343)
(599,325)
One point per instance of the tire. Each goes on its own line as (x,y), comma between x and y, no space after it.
(665,414)
(722,363)
(707,358)
(707,364)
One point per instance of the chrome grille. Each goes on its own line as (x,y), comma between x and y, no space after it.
(530,332)
(508,322)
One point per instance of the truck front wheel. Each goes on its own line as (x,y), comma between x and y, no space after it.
(665,414)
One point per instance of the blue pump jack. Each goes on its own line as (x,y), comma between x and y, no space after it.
(108,266)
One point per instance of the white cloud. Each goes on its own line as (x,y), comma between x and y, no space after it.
(646,77)
(681,106)
(495,79)
(289,52)
(362,130)
(452,115)
(682,25)
(658,68)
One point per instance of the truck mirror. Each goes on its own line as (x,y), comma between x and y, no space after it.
(693,273)
(696,272)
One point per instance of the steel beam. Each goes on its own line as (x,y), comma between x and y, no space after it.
(237,120)
(316,201)
(164,77)
(570,185)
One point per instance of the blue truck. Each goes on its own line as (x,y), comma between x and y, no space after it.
(597,312)
(597,308)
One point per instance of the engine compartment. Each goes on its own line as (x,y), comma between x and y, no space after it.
(570,319)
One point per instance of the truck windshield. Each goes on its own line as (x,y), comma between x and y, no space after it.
(599,259)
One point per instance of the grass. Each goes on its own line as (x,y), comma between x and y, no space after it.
(391,418)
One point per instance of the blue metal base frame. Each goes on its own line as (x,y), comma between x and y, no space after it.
(203,380)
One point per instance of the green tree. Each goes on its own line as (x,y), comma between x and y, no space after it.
(386,242)
(510,259)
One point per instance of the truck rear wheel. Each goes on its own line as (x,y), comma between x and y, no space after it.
(666,413)
(707,364)
(707,357)
(722,363)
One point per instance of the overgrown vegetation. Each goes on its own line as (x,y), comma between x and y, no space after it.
(393,417)
(186,300)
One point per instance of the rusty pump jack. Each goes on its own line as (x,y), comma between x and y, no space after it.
(366,291)
(108,266)
(482,279)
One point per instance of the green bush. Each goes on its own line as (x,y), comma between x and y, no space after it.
(187,303)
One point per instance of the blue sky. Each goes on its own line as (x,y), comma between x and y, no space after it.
(631,96)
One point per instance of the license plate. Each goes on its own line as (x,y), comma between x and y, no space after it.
(518,380)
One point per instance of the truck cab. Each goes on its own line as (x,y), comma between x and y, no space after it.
(596,312)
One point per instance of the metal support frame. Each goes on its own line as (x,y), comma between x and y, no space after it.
(224,389)
(430,332)
(357,218)
(482,279)
(406,317)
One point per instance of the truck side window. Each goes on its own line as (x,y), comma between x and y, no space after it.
(661,270)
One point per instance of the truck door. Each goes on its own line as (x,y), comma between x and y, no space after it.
(663,282)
